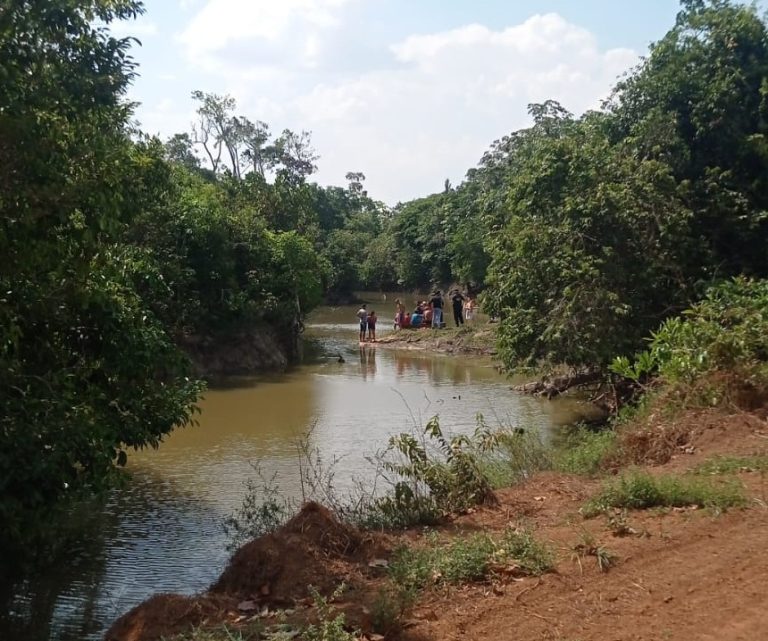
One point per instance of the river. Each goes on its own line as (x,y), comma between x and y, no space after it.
(162,531)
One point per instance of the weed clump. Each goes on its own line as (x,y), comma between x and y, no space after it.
(263,510)
(531,555)
(732,464)
(640,490)
(450,476)
(328,627)
(469,559)
(389,606)
(516,455)
(583,451)
(604,558)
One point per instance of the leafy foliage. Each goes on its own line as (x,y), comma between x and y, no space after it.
(87,370)
(449,480)
(114,250)
(600,227)
(727,329)
(716,352)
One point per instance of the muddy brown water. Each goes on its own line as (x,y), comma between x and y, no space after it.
(162,531)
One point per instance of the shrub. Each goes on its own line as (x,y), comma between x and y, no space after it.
(727,330)
(440,475)
(263,510)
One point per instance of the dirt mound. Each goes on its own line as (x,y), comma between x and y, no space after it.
(707,431)
(164,615)
(313,548)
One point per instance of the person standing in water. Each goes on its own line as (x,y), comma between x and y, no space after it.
(372,326)
(362,316)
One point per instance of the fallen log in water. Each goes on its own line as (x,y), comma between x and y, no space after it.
(554,386)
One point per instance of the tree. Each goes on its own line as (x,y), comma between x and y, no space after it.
(179,149)
(218,129)
(87,370)
(257,155)
(295,156)
(355,180)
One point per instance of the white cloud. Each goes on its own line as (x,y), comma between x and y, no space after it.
(428,112)
(256,33)
(410,128)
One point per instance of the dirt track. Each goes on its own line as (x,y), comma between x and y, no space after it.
(693,576)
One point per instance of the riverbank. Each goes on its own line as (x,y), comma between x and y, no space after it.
(668,549)
(476,339)
(245,352)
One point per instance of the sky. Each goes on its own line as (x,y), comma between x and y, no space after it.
(410,92)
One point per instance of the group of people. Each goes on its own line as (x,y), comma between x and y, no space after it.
(427,313)
(430,313)
(367,324)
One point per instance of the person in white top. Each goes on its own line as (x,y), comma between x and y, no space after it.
(362,315)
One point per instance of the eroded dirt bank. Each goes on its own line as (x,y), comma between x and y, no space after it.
(676,574)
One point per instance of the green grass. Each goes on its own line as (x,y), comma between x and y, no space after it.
(519,454)
(468,559)
(531,555)
(639,490)
(732,464)
(583,451)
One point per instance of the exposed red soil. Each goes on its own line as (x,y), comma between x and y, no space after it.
(164,615)
(312,549)
(679,575)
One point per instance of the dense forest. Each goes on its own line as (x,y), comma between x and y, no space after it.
(121,254)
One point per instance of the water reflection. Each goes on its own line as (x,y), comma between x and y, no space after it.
(367,361)
(112,561)
(162,531)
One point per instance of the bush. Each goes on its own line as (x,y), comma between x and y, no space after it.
(727,330)
(439,475)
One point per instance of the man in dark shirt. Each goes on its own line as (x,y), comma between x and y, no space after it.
(437,310)
(458,307)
